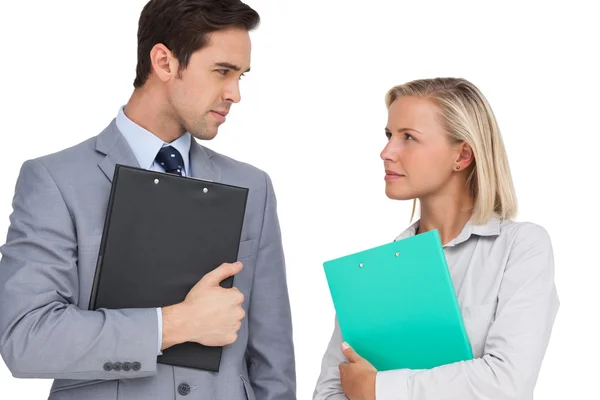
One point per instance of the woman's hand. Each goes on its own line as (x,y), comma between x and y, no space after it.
(357,376)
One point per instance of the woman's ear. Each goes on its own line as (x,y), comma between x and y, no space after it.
(465,157)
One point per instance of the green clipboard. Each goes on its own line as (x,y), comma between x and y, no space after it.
(396,304)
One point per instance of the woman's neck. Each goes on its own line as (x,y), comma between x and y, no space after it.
(447,214)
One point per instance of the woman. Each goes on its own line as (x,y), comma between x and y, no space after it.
(444,149)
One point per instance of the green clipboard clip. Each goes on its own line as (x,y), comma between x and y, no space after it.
(396,304)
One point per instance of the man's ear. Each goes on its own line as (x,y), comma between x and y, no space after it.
(164,64)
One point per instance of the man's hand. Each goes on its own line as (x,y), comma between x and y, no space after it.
(357,376)
(209,315)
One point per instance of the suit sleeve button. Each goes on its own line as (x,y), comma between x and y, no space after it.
(183,389)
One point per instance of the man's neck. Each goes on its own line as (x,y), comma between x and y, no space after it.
(145,110)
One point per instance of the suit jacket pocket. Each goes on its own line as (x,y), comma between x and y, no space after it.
(248,388)
(247,249)
(71,384)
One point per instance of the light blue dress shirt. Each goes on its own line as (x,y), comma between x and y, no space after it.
(145,146)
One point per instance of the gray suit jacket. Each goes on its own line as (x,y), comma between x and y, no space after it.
(46,273)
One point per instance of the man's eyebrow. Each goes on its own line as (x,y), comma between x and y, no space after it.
(230,66)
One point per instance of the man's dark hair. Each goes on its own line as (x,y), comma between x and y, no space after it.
(183,27)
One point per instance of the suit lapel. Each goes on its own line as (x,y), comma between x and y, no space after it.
(201,164)
(114,146)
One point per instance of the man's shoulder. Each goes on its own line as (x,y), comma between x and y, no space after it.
(64,164)
(241,170)
(79,150)
(82,153)
(75,156)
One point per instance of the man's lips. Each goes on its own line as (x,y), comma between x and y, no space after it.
(219,115)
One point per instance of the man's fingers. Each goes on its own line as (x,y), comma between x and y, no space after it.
(221,273)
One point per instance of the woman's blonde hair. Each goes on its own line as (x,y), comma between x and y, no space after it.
(467,117)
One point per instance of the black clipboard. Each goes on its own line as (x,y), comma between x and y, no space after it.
(161,235)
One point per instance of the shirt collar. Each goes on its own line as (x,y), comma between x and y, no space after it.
(145,145)
(490,228)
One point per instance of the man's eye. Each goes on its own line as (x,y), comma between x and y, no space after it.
(223,71)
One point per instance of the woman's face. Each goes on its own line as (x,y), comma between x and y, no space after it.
(419,159)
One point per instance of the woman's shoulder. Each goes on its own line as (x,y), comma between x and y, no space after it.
(522,228)
(524,234)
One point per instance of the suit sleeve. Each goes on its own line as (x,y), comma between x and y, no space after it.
(270,346)
(43,331)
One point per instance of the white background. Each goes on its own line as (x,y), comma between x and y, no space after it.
(312,115)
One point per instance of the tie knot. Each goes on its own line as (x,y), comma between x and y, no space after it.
(170,159)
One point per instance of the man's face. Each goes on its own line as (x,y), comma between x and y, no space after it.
(204,92)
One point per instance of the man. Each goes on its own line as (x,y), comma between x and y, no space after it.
(191,55)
